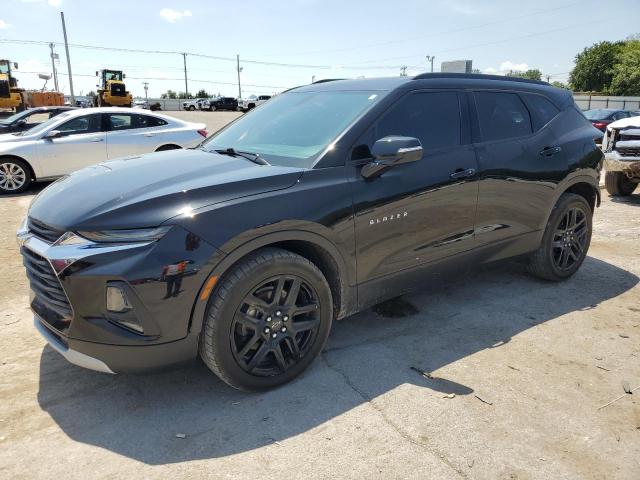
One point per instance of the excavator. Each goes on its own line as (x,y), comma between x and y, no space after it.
(112,91)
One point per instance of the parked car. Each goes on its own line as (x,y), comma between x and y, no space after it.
(621,145)
(29,118)
(329,198)
(193,104)
(601,117)
(252,102)
(141,104)
(77,138)
(222,103)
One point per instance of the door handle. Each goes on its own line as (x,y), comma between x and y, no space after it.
(550,151)
(97,140)
(463,173)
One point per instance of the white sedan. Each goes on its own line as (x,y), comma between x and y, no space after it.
(78,138)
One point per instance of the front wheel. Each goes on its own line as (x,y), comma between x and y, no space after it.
(565,241)
(267,320)
(15,176)
(618,185)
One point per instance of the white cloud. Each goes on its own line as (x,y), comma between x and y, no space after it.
(4,25)
(516,67)
(460,7)
(172,16)
(53,3)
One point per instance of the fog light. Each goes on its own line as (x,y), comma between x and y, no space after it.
(117,300)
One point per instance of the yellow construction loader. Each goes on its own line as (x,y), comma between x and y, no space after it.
(10,94)
(111,90)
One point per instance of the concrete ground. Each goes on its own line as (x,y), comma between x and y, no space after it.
(519,367)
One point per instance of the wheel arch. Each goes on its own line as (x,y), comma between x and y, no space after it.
(586,190)
(315,248)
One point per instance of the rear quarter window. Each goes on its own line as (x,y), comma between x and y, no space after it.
(541,109)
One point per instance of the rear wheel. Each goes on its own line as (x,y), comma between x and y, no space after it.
(618,185)
(191,108)
(565,241)
(267,320)
(15,175)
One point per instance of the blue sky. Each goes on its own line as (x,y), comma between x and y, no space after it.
(321,38)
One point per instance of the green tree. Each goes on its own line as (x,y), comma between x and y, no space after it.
(169,94)
(558,84)
(593,71)
(626,71)
(202,93)
(532,74)
(185,95)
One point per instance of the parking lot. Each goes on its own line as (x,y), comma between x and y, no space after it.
(520,371)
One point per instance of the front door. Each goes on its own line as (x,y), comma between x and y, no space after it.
(131,134)
(81,143)
(420,213)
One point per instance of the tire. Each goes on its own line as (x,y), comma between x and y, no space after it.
(191,108)
(15,176)
(212,108)
(565,241)
(235,332)
(618,185)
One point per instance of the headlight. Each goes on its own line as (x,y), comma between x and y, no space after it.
(126,236)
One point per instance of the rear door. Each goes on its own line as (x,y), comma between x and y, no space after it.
(418,213)
(133,134)
(520,164)
(81,143)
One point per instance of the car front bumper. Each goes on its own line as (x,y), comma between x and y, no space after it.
(69,301)
(614,162)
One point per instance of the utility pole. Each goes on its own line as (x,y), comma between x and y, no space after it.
(186,87)
(146,89)
(313,78)
(54,56)
(403,71)
(239,70)
(430,59)
(548,78)
(66,48)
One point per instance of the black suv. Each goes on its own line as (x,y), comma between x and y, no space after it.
(328,199)
(223,103)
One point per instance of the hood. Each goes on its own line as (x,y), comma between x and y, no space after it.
(147,190)
(10,137)
(625,122)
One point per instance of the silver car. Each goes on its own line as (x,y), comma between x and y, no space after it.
(75,139)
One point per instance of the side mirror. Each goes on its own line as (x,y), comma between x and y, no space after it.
(97,74)
(21,122)
(124,76)
(391,151)
(51,134)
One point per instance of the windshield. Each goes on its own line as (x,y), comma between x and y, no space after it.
(44,125)
(4,67)
(597,114)
(14,117)
(294,128)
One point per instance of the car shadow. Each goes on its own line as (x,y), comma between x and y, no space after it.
(35,189)
(144,417)
(633,199)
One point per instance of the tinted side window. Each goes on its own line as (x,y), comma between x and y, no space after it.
(502,115)
(432,117)
(79,125)
(619,115)
(119,121)
(146,121)
(542,110)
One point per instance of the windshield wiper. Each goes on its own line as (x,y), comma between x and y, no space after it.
(253,157)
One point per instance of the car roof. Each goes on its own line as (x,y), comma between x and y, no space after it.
(559,96)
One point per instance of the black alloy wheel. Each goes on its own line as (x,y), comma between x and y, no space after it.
(267,319)
(275,325)
(570,239)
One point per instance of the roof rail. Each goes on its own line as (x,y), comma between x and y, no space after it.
(479,76)
(325,80)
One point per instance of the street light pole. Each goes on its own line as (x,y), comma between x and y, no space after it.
(66,48)
(239,70)
(430,59)
(186,87)
(146,89)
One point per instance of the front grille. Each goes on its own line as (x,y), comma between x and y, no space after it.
(629,152)
(44,231)
(49,295)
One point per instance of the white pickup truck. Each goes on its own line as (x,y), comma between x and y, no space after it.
(252,102)
(621,145)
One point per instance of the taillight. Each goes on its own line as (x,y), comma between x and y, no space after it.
(204,133)
(599,125)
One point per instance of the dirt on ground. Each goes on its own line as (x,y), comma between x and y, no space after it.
(498,376)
